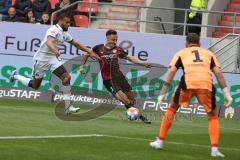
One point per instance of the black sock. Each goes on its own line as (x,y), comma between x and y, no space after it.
(142,117)
(127,106)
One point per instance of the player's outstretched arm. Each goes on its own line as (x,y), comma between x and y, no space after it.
(137,61)
(221,81)
(85,49)
(51,41)
(170,75)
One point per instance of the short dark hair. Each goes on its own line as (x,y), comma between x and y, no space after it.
(111,32)
(193,38)
(45,13)
(12,7)
(62,16)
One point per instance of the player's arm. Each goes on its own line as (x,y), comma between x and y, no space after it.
(221,81)
(51,41)
(218,74)
(124,55)
(174,65)
(170,75)
(137,61)
(85,49)
(85,58)
(83,62)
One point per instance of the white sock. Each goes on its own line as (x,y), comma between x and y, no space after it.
(67,93)
(160,141)
(22,79)
(214,149)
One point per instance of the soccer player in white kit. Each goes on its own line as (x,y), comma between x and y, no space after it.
(47,57)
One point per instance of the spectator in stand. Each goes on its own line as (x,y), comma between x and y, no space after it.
(40,6)
(4,5)
(195,16)
(45,18)
(62,4)
(12,16)
(22,7)
(29,18)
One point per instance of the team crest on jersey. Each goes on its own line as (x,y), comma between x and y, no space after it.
(114,51)
(108,56)
(64,38)
(53,32)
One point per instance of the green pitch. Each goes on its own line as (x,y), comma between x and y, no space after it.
(106,138)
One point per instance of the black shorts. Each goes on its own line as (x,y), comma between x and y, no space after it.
(116,84)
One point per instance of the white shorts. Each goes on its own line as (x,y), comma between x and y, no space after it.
(40,67)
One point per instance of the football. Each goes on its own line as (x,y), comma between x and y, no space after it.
(132,113)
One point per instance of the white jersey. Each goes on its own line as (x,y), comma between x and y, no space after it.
(55,31)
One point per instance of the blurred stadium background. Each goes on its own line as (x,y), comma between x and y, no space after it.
(152,30)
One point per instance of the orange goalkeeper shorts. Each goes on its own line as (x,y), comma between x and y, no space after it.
(205,98)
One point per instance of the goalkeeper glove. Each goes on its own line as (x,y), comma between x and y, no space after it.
(227,97)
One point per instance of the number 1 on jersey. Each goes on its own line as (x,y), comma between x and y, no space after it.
(197,56)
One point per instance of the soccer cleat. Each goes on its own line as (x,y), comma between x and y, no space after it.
(216,153)
(14,73)
(158,144)
(72,109)
(144,119)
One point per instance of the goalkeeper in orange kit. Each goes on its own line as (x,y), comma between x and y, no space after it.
(197,65)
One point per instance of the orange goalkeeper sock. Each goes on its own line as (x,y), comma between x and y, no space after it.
(213,130)
(167,121)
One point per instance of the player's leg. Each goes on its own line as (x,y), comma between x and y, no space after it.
(39,70)
(167,121)
(208,100)
(125,94)
(115,89)
(122,96)
(123,91)
(179,98)
(117,93)
(226,115)
(131,97)
(35,83)
(214,132)
(65,77)
(126,97)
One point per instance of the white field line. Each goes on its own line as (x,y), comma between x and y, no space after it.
(49,137)
(108,136)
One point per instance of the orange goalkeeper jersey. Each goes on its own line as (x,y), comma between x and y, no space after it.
(197,64)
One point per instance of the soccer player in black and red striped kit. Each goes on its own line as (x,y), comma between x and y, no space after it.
(113,79)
